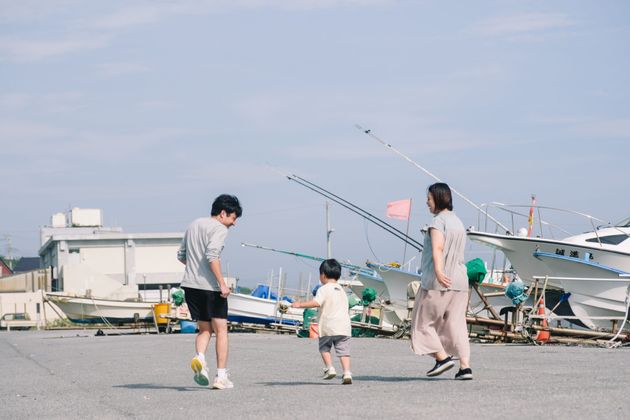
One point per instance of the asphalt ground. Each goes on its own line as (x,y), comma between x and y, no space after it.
(75,374)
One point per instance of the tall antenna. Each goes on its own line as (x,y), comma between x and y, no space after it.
(329,232)
(7,238)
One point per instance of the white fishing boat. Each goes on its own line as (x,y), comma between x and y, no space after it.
(595,255)
(370,280)
(241,308)
(397,282)
(520,250)
(260,310)
(598,293)
(91,310)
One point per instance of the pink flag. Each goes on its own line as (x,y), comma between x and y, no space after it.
(399,209)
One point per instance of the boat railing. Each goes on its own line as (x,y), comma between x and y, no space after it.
(514,214)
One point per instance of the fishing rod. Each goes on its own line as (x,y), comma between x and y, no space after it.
(417,165)
(352,267)
(357,210)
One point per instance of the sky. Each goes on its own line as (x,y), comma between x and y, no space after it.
(149,109)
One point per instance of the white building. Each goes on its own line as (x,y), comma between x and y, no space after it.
(106,262)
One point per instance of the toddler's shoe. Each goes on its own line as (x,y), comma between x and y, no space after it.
(329,373)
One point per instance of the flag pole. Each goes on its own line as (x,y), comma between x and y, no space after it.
(407,234)
(530,220)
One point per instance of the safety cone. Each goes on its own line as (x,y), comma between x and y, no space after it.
(313,331)
(544,334)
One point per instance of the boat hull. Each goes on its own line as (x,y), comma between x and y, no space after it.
(255,310)
(397,282)
(520,251)
(596,290)
(370,281)
(84,310)
(241,308)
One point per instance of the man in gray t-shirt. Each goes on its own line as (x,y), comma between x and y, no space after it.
(205,289)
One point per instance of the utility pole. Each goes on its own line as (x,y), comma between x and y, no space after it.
(329,232)
(9,251)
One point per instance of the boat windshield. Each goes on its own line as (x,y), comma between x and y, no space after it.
(624,223)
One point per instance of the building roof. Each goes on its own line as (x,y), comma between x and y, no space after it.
(109,236)
(27,264)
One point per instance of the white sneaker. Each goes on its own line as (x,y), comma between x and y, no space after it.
(346,379)
(222,383)
(201,372)
(329,373)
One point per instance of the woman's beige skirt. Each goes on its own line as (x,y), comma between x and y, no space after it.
(438,323)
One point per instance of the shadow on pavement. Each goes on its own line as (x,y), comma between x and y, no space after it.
(398,378)
(294,383)
(156,386)
(358,378)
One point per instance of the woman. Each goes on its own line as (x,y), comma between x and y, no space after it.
(438,320)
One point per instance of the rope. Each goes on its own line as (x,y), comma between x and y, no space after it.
(367,238)
(612,343)
(105,321)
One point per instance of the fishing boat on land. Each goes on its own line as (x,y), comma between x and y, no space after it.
(371,280)
(91,310)
(608,246)
(599,294)
(396,281)
(242,308)
(260,307)
(597,255)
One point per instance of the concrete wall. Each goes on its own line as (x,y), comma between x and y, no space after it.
(104,259)
(26,282)
(31,303)
(158,259)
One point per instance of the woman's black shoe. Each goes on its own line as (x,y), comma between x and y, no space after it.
(464,374)
(441,366)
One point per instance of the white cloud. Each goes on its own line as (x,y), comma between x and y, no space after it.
(119,146)
(121,69)
(155,105)
(143,13)
(33,10)
(234,174)
(26,136)
(94,33)
(424,141)
(525,25)
(21,50)
(58,102)
(591,127)
(136,15)
(20,138)
(14,101)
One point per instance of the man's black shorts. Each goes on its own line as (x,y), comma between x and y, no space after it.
(205,304)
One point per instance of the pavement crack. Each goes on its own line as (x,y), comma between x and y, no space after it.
(28,357)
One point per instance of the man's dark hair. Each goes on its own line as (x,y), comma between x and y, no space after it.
(441,196)
(226,202)
(331,269)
